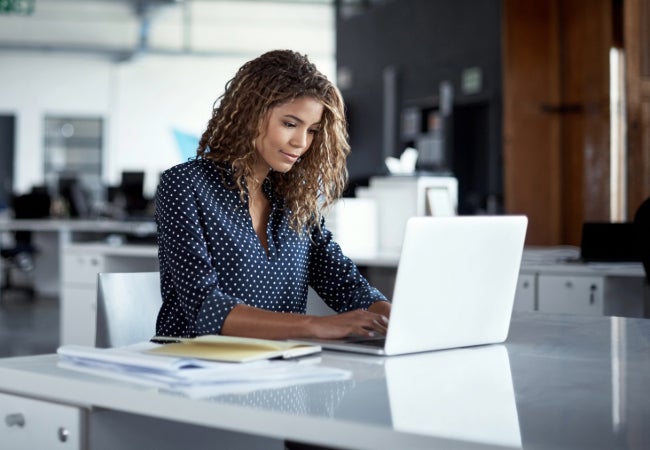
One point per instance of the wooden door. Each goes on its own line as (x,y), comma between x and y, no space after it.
(556,114)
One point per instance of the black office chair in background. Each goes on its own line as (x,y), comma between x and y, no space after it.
(20,256)
(642,223)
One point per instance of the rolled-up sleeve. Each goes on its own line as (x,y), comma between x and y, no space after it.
(193,303)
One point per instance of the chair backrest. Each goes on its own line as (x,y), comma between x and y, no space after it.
(642,222)
(127,307)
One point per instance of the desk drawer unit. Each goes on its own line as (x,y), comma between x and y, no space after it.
(571,294)
(29,424)
(79,302)
(525,293)
(82,269)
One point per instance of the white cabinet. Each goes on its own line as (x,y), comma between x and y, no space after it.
(562,284)
(525,295)
(28,424)
(79,295)
(571,294)
(78,316)
(81,268)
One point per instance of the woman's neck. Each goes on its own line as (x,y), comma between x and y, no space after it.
(259,173)
(254,186)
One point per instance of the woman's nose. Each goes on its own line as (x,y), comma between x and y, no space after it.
(299,139)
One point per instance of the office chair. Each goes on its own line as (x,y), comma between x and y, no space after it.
(20,256)
(642,223)
(127,308)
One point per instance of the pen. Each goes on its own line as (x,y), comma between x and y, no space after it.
(164,340)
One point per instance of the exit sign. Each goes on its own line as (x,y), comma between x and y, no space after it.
(23,7)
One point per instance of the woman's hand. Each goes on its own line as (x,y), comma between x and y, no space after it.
(352,323)
(249,321)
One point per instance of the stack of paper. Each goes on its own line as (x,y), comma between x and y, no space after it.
(190,376)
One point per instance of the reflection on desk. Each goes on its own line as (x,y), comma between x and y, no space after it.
(463,394)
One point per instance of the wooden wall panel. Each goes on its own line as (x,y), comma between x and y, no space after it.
(556,115)
(586,38)
(637,54)
(532,181)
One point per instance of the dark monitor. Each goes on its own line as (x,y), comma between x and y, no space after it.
(133,183)
(132,188)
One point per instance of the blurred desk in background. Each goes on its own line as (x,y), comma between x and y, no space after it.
(72,252)
(51,235)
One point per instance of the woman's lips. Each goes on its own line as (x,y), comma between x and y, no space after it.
(289,156)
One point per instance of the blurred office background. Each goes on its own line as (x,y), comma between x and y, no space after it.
(98,97)
(537,107)
(100,92)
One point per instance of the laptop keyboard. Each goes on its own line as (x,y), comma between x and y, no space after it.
(372,342)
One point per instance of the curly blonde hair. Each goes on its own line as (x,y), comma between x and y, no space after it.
(270,80)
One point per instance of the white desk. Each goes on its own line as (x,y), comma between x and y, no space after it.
(68,227)
(567,381)
(51,235)
(551,280)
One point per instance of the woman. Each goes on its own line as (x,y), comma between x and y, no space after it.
(240,230)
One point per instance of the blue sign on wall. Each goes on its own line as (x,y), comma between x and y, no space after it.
(187,144)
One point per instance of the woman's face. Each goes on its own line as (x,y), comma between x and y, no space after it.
(287,133)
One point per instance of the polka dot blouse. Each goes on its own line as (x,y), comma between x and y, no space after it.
(211,259)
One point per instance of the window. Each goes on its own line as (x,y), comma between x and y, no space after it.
(73,150)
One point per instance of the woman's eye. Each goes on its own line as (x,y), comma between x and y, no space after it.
(315,131)
(289,124)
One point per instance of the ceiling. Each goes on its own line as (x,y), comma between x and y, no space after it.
(120,29)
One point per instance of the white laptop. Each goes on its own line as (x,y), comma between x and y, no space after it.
(455,285)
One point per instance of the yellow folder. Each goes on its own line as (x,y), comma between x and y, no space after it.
(231,349)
